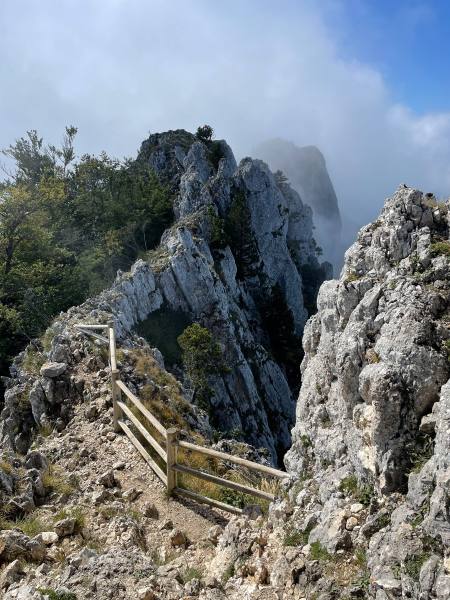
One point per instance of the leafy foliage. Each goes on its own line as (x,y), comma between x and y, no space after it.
(202,357)
(66,226)
(205,133)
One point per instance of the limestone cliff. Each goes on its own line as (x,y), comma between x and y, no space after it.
(367,512)
(240,259)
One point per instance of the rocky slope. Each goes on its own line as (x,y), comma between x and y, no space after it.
(240,260)
(306,170)
(367,515)
(366,511)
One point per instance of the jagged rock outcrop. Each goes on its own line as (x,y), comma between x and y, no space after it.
(233,261)
(367,513)
(307,172)
(374,357)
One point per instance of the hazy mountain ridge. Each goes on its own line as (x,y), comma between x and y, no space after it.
(306,170)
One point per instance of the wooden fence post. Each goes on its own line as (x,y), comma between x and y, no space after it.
(172,437)
(116,395)
(115,391)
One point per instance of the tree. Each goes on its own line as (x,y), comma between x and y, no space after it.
(202,357)
(66,226)
(205,133)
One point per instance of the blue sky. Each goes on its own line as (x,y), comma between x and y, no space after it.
(407,41)
(366,81)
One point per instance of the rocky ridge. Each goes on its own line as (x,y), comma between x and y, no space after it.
(367,513)
(202,270)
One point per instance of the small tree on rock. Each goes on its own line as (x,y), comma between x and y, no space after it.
(205,133)
(202,357)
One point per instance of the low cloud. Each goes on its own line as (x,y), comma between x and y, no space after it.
(118,69)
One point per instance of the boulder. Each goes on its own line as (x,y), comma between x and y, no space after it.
(53,369)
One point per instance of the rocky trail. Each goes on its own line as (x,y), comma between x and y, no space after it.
(126,534)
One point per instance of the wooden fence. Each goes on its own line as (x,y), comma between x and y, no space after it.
(170,437)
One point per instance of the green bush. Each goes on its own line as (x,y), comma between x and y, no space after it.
(202,357)
(204,133)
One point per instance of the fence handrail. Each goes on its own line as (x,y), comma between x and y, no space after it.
(145,455)
(235,459)
(232,485)
(144,432)
(153,420)
(171,437)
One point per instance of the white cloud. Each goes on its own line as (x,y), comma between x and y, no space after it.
(253,70)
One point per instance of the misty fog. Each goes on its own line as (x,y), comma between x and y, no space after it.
(253,70)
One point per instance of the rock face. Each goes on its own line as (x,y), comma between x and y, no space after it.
(374,356)
(240,260)
(373,412)
(306,170)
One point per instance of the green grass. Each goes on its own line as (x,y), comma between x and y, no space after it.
(440,248)
(54,595)
(318,552)
(413,564)
(33,361)
(351,276)
(228,573)
(56,481)
(296,537)
(191,573)
(446,345)
(73,513)
(361,492)
(29,525)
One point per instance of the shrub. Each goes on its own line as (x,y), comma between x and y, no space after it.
(202,357)
(55,595)
(204,133)
(305,441)
(191,573)
(351,276)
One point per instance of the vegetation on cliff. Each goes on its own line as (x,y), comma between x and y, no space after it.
(66,226)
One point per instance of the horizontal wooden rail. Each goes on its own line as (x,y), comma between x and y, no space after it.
(144,432)
(224,482)
(156,424)
(143,452)
(93,334)
(81,326)
(234,459)
(215,503)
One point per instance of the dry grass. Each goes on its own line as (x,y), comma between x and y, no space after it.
(56,481)
(31,525)
(6,467)
(33,361)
